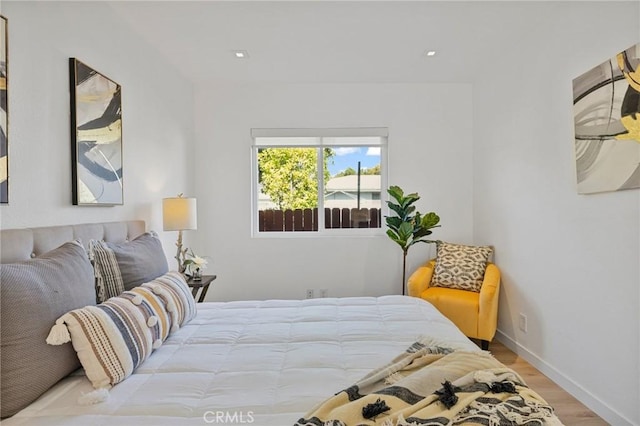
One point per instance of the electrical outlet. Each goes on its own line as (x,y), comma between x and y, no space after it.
(522,323)
(310,293)
(324,292)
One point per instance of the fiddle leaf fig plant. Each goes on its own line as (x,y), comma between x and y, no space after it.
(408,226)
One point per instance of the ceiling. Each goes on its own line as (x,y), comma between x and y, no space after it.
(314,42)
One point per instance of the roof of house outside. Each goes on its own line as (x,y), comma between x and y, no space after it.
(343,184)
(368,183)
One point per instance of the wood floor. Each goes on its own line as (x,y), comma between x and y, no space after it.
(568,409)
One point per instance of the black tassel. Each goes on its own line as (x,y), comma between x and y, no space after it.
(447,395)
(500,387)
(370,411)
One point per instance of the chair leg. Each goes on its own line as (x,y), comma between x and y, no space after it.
(484,344)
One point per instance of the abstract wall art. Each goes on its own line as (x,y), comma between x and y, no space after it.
(4,112)
(606,108)
(96,137)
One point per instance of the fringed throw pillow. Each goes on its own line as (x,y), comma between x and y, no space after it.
(173,288)
(114,338)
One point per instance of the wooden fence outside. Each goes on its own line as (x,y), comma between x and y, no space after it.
(307,219)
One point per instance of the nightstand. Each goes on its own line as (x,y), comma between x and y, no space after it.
(202,284)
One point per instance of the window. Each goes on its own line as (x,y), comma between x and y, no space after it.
(322,181)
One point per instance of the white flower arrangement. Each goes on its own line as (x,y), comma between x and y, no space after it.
(194,264)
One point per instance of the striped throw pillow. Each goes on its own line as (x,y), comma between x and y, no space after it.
(109,281)
(152,306)
(126,265)
(114,338)
(173,289)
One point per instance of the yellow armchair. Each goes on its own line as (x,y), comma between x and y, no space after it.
(475,314)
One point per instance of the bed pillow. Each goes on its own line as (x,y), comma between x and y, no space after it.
(460,267)
(123,266)
(153,306)
(173,289)
(115,337)
(33,294)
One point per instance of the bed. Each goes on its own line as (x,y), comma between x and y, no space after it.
(262,362)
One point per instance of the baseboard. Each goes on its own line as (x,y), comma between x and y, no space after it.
(596,405)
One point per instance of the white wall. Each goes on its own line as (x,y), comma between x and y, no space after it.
(570,262)
(429,153)
(157,106)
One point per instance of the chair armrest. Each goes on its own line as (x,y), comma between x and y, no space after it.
(420,279)
(489,294)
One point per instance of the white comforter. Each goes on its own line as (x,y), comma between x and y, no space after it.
(256,362)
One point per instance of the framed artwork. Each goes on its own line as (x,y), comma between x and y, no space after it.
(96,137)
(606,109)
(4,112)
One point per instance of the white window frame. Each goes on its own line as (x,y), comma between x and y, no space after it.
(322,137)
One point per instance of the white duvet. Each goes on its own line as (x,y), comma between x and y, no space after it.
(256,362)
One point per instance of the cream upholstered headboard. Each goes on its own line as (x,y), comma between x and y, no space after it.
(27,243)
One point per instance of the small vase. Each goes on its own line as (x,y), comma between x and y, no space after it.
(197,274)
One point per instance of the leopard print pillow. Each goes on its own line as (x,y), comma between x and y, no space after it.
(460,267)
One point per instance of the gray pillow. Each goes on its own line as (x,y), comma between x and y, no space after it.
(33,294)
(123,266)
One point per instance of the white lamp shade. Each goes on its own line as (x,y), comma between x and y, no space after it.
(179,214)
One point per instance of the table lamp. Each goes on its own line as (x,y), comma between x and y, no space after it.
(179,214)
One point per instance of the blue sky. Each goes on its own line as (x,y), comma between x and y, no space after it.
(349,157)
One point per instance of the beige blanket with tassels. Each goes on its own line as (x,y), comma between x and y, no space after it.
(411,390)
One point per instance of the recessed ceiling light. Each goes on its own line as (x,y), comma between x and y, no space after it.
(430,53)
(241,54)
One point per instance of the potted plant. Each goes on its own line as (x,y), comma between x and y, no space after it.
(408,226)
